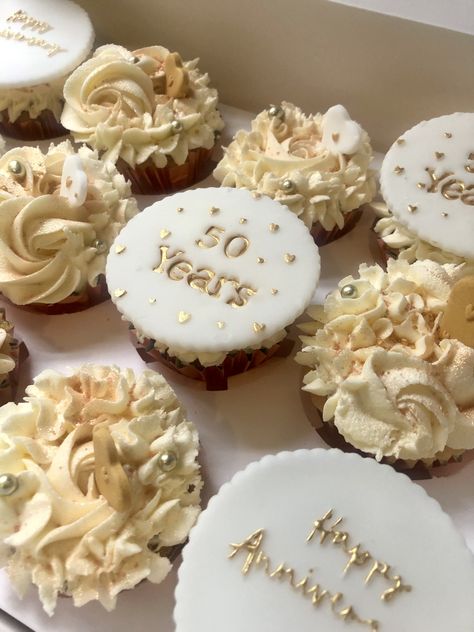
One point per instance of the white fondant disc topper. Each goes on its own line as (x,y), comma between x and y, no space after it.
(41,41)
(427,181)
(213,269)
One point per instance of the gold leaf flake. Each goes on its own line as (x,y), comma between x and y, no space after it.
(164,233)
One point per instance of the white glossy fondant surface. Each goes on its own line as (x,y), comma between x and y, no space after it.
(25,64)
(443,145)
(133,269)
(388,515)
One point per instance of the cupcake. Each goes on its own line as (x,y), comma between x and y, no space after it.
(40,43)
(321,540)
(12,354)
(209,279)
(59,214)
(147,111)
(317,165)
(98,479)
(388,369)
(427,182)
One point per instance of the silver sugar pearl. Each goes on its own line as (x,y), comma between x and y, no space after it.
(100,246)
(288,186)
(167,461)
(276,111)
(8,484)
(349,291)
(16,168)
(176,126)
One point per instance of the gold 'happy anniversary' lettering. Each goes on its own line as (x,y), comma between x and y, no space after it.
(28,22)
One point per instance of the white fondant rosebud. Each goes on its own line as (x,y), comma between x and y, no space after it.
(74,181)
(341,135)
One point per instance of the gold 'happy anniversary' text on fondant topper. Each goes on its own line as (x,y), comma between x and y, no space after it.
(257,558)
(29,22)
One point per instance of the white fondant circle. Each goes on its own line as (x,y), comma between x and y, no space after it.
(391,517)
(132,269)
(25,64)
(440,212)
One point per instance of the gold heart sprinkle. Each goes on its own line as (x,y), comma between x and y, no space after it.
(243,220)
(444,214)
(439,155)
(119,249)
(183,317)
(258,327)
(164,233)
(412,208)
(448,134)
(421,185)
(220,324)
(401,141)
(398,170)
(335,137)
(256,195)
(274,227)
(289,258)
(260,260)
(274,291)
(180,209)
(119,292)
(213,210)
(152,300)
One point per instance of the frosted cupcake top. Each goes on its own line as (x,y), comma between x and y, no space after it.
(213,270)
(321,540)
(98,478)
(395,385)
(317,165)
(59,214)
(41,41)
(427,181)
(140,105)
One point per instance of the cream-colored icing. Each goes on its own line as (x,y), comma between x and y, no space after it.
(411,248)
(50,249)
(394,387)
(33,100)
(327,183)
(115,102)
(7,363)
(56,530)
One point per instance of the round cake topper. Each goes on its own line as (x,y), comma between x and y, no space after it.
(212,270)
(321,540)
(41,41)
(427,181)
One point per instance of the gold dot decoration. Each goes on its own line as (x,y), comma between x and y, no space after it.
(289,258)
(119,292)
(274,292)
(260,260)
(258,327)
(439,155)
(164,233)
(274,228)
(183,317)
(448,134)
(180,209)
(214,210)
(412,208)
(399,170)
(221,324)
(242,220)
(119,248)
(152,300)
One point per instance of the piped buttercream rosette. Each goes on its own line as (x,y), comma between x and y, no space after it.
(70,453)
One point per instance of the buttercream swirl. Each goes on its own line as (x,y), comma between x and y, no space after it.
(50,249)
(56,529)
(34,100)
(393,386)
(115,102)
(326,183)
(406,244)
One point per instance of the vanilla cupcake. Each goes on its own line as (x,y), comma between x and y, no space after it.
(147,111)
(317,165)
(427,182)
(209,280)
(41,42)
(98,479)
(388,369)
(59,214)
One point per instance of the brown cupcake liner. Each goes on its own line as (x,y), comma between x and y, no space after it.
(214,377)
(18,352)
(323,237)
(415,469)
(147,179)
(44,126)
(77,302)
(379,250)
